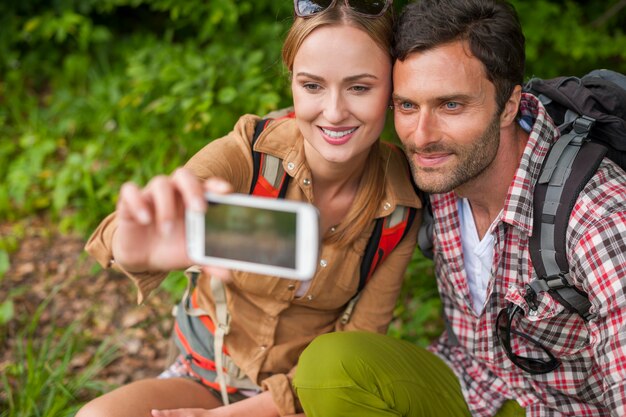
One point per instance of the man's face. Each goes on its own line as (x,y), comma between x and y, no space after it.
(445,114)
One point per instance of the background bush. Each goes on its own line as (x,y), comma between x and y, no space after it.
(97,92)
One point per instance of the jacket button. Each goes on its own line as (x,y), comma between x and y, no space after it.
(291,166)
(306,181)
(323,263)
(291,287)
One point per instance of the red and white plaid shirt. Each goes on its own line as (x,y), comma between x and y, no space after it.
(591,380)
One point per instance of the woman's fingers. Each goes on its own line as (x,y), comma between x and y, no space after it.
(181,412)
(217,186)
(222,274)
(131,205)
(190,188)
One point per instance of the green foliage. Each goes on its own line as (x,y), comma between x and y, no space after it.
(89,95)
(6,306)
(40,380)
(418,311)
(565,37)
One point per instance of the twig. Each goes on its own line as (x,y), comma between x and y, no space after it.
(609,13)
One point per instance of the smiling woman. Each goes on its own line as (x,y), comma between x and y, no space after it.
(330,150)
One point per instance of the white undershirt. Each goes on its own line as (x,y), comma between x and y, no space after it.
(477,256)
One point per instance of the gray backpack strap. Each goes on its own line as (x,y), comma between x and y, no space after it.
(570,165)
(207,345)
(425,235)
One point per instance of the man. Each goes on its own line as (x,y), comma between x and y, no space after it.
(478,143)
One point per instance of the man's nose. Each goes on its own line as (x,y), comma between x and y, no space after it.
(424,129)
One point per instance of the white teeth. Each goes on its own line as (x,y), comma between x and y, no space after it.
(337,134)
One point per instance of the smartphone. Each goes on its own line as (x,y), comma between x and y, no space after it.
(255,234)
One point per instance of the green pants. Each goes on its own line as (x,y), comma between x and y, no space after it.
(365,374)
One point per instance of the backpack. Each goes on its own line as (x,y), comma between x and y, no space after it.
(270,180)
(590,113)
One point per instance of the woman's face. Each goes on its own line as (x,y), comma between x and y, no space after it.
(341,90)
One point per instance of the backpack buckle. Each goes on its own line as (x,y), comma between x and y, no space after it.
(557,281)
(583,125)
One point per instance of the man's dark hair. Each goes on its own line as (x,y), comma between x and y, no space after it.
(490,27)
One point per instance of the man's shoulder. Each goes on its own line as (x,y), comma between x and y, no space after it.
(606,190)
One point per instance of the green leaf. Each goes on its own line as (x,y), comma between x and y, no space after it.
(4,262)
(7,311)
(227,95)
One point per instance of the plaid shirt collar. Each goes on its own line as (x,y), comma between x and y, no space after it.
(518,206)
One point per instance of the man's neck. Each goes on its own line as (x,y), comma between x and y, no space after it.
(487,192)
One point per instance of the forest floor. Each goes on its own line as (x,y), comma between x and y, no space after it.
(49,264)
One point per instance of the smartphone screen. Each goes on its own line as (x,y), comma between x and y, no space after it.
(251,234)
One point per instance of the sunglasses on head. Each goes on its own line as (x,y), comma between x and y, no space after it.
(371,8)
(505,333)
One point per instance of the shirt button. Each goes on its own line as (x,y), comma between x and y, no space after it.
(291,287)
(291,166)
(323,263)
(387,205)
(309,297)
(306,181)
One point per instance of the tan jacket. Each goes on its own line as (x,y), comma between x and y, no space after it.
(271,326)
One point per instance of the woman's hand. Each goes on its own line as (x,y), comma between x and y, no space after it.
(260,405)
(150,231)
(200,412)
(188,412)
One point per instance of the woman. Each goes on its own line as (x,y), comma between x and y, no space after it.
(340,65)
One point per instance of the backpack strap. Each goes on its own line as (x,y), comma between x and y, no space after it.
(194,328)
(269,178)
(425,235)
(571,163)
(388,232)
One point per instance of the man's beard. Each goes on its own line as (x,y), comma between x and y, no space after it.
(472,160)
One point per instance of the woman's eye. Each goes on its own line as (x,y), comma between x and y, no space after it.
(311,87)
(360,88)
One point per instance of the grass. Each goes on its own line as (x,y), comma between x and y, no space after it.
(40,380)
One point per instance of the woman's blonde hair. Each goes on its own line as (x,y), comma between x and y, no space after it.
(380,30)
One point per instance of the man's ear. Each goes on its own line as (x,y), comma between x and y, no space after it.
(511,107)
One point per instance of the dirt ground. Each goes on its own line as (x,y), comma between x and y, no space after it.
(103,301)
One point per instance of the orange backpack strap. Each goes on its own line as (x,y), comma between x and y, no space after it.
(269,178)
(388,232)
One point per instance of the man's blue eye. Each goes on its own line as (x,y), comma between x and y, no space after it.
(451,105)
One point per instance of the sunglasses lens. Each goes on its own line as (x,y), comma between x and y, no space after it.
(305,8)
(372,8)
